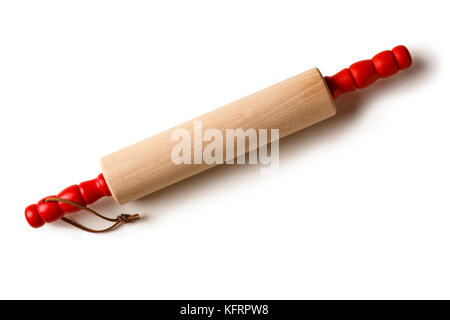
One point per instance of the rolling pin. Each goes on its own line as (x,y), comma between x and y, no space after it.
(145,167)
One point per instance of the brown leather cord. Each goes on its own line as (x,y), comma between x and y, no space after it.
(120,219)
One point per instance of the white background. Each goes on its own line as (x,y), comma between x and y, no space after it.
(360,205)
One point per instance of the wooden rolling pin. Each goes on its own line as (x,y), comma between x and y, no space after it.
(147,166)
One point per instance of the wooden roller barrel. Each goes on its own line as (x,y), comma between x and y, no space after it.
(289,106)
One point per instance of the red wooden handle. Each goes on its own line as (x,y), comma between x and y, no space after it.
(85,193)
(363,73)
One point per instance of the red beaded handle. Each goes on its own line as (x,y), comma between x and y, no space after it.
(363,73)
(85,193)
